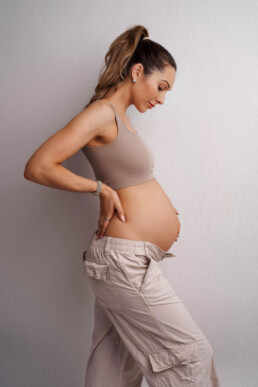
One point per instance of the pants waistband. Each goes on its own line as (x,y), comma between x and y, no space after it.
(138,247)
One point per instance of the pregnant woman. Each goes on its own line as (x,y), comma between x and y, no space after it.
(141,327)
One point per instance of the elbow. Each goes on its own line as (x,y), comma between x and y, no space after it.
(27,174)
(30,173)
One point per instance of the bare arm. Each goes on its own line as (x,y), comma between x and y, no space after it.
(44,165)
(60,177)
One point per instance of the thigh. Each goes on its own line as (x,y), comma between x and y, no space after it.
(155,325)
(141,286)
(150,318)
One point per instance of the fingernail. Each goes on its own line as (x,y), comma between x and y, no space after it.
(123,218)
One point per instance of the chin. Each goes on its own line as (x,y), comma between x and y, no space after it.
(140,108)
(145,107)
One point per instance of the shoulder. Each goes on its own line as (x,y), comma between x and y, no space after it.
(102,113)
(98,116)
(102,110)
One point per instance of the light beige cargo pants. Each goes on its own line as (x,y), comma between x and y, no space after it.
(141,326)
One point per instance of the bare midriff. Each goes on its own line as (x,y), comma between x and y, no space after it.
(149,215)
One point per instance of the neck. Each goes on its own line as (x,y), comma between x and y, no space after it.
(121,99)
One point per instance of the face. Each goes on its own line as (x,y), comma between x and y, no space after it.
(152,88)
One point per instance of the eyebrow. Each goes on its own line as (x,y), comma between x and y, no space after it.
(166,82)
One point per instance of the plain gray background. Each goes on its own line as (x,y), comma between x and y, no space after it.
(204,139)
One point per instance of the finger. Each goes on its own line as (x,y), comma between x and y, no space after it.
(100,223)
(120,211)
(104,225)
(101,229)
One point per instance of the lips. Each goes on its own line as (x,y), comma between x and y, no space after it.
(151,104)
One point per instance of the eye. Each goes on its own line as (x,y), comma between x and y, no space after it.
(160,88)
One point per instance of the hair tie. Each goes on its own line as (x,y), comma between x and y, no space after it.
(146,37)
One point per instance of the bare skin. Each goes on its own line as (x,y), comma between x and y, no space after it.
(149,214)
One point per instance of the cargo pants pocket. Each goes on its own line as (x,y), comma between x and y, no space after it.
(98,273)
(139,269)
(96,270)
(182,360)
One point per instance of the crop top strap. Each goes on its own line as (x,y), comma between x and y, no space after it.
(112,107)
(116,115)
(119,120)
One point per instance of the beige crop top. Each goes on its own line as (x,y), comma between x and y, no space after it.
(123,162)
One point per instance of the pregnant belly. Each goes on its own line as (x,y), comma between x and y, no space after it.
(149,215)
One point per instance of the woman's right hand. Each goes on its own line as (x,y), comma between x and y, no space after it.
(109,203)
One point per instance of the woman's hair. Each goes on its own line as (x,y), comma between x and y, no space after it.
(126,50)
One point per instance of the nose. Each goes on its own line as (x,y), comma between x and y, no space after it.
(160,100)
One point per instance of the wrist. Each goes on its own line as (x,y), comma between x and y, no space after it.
(101,189)
(105,189)
(98,189)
